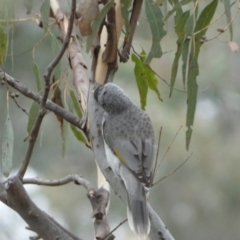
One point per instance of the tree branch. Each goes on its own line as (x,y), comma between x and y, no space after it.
(18,199)
(98,199)
(137,5)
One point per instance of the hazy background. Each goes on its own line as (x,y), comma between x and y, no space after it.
(200,201)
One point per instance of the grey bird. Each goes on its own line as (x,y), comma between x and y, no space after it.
(129,146)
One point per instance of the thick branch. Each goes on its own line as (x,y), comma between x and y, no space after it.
(18,199)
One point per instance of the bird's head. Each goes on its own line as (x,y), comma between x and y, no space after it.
(112,98)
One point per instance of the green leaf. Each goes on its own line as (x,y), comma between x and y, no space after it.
(141,79)
(7,147)
(192,89)
(78,134)
(29,5)
(64,132)
(56,48)
(75,104)
(176,6)
(227,6)
(155,19)
(203,23)
(193,70)
(45,13)
(152,81)
(97,23)
(145,78)
(186,46)
(37,76)
(125,5)
(32,115)
(3,44)
(179,10)
(180,31)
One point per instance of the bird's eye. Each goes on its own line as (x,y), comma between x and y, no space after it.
(104,93)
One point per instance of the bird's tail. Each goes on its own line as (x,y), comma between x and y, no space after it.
(137,210)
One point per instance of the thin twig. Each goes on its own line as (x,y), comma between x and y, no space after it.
(169,147)
(13,98)
(121,223)
(166,176)
(42,110)
(59,182)
(156,160)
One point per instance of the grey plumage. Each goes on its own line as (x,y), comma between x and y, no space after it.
(129,144)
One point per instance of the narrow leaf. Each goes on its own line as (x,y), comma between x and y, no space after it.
(3,44)
(32,116)
(155,19)
(78,134)
(173,10)
(152,81)
(193,70)
(57,98)
(141,80)
(97,23)
(64,133)
(203,23)
(37,76)
(55,49)
(29,5)
(75,104)
(125,5)
(227,6)
(186,46)
(192,90)
(45,13)
(180,31)
(7,147)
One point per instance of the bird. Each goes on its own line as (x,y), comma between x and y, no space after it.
(129,147)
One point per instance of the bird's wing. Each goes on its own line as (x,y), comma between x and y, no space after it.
(136,155)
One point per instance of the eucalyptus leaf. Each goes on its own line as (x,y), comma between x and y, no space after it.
(201,27)
(37,76)
(29,5)
(56,48)
(227,6)
(45,13)
(180,31)
(7,147)
(125,5)
(3,44)
(155,20)
(64,132)
(75,104)
(32,116)
(145,78)
(78,134)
